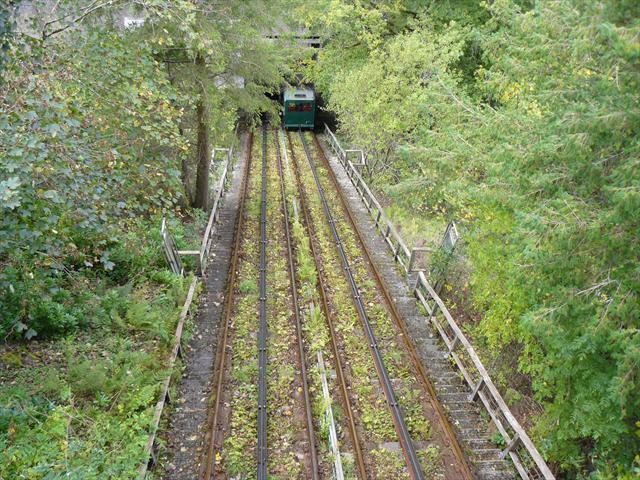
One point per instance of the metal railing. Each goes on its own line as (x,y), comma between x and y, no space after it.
(394,241)
(172,255)
(519,447)
(408,448)
(218,191)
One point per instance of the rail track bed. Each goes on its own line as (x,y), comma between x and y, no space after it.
(315,375)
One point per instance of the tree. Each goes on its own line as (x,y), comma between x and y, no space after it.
(221,58)
(97,131)
(520,120)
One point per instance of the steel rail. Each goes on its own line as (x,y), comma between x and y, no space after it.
(322,292)
(398,320)
(415,470)
(206,467)
(261,448)
(298,323)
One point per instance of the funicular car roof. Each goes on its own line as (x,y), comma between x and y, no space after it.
(298,94)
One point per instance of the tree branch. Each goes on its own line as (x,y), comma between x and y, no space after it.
(87,11)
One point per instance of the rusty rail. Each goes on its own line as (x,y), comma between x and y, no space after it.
(399,322)
(172,255)
(408,449)
(322,291)
(519,447)
(296,312)
(212,422)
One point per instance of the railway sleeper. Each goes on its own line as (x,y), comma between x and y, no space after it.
(483,442)
(479,454)
(497,466)
(491,474)
(447,388)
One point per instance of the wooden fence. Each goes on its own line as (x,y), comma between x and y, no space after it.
(518,446)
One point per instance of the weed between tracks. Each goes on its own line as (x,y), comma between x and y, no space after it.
(288,445)
(241,392)
(370,405)
(315,333)
(287,441)
(408,389)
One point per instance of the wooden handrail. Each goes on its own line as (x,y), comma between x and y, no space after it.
(151,455)
(213,215)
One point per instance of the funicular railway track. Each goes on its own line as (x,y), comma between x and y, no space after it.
(218,428)
(415,470)
(456,449)
(453,458)
(298,323)
(322,291)
(261,451)
(213,438)
(281,345)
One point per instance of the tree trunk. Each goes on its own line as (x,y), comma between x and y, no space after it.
(204,149)
(187,183)
(188,198)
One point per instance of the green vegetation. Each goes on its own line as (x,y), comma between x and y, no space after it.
(243,385)
(102,134)
(517,118)
(315,329)
(284,388)
(83,404)
(520,121)
(397,362)
(368,397)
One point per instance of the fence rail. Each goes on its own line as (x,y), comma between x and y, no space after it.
(172,255)
(151,448)
(519,447)
(218,191)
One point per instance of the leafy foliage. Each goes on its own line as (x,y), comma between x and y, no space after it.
(89,143)
(97,133)
(97,143)
(519,120)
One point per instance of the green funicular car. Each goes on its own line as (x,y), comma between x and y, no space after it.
(299,108)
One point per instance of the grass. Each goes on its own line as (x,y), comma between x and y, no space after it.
(285,401)
(368,398)
(241,438)
(80,406)
(315,331)
(416,230)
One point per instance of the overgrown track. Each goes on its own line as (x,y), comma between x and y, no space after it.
(296,312)
(399,322)
(322,291)
(415,470)
(377,441)
(262,332)
(248,258)
(211,445)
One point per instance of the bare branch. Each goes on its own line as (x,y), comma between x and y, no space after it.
(85,13)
